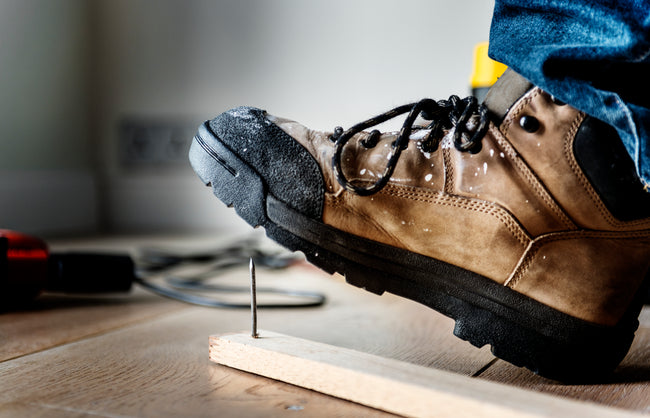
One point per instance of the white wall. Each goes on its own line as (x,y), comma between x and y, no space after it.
(46,176)
(73,70)
(324,63)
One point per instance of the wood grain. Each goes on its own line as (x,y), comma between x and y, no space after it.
(55,320)
(160,368)
(629,387)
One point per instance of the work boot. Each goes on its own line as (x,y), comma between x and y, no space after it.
(521,218)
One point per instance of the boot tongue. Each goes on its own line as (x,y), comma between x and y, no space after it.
(509,88)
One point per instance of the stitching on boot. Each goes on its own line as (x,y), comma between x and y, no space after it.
(534,247)
(448,171)
(491,209)
(531,178)
(591,192)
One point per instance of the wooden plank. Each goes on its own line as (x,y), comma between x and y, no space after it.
(386,384)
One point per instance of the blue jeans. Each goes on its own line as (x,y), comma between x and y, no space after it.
(594,55)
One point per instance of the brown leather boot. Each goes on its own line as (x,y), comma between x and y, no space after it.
(522,219)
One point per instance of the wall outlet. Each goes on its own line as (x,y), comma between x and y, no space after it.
(151,142)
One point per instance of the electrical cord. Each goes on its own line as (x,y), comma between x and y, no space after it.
(183,287)
(314,299)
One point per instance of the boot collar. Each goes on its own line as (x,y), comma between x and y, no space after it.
(509,88)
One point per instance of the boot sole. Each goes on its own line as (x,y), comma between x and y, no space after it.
(519,329)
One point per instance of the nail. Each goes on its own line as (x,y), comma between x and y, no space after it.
(254,333)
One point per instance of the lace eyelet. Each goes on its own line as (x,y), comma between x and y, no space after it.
(371,140)
(428,145)
(529,124)
(338,131)
(448,113)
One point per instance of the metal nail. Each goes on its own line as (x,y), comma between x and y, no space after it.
(254,333)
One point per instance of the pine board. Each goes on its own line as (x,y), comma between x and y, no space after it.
(386,384)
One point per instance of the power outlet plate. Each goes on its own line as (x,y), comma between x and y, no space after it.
(155,142)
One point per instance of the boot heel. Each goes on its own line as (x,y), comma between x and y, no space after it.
(365,279)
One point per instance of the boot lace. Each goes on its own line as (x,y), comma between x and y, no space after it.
(443,114)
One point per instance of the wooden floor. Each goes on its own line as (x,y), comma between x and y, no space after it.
(143,355)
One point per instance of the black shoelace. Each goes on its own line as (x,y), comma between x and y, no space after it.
(443,114)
